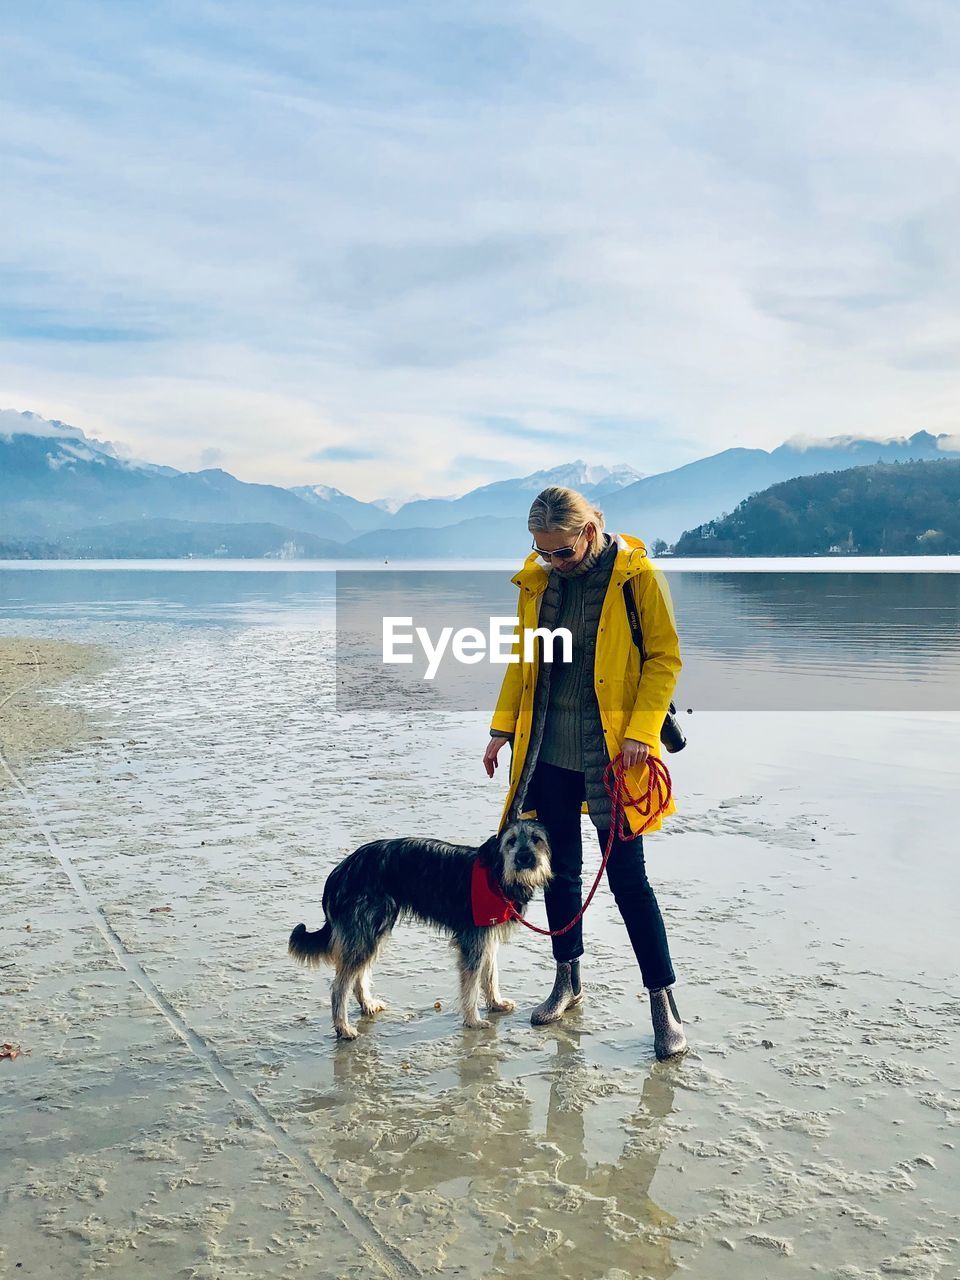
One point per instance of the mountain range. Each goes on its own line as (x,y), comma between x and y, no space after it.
(61,488)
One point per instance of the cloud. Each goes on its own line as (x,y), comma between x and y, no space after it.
(342,453)
(468,466)
(803,442)
(73,441)
(26,423)
(634,235)
(44,325)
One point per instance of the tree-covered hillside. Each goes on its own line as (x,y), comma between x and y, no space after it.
(175,540)
(910,508)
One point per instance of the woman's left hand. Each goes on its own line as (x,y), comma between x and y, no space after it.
(634,753)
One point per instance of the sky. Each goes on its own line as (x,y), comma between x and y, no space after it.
(413,248)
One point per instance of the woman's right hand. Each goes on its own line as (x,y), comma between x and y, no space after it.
(494,747)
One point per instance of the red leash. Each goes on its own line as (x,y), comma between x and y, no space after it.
(659,785)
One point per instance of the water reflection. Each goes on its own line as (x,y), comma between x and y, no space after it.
(466,1133)
(231,598)
(768,641)
(750,641)
(815,641)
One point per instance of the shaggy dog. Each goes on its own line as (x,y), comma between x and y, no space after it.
(428,880)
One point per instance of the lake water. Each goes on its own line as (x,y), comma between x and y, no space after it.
(770,636)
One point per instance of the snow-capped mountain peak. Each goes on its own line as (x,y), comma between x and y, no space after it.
(579,474)
(71,443)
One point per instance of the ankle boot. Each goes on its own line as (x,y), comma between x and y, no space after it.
(668,1038)
(565,994)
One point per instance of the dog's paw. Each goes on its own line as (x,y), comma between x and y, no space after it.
(375,1006)
(475,1024)
(347,1032)
(502,1006)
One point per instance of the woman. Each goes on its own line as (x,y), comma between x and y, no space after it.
(566,720)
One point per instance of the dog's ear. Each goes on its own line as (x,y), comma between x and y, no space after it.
(489,852)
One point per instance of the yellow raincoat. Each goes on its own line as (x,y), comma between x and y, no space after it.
(631,705)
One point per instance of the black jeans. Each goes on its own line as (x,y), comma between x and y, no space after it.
(557,795)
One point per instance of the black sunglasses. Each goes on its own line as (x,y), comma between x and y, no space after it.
(561,553)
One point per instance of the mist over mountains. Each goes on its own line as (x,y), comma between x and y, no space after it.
(66,493)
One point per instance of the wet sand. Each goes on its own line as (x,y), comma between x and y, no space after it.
(185,1111)
(29,724)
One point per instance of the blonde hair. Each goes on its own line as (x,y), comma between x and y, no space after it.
(559,510)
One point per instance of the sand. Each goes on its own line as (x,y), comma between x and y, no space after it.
(181,1107)
(29,724)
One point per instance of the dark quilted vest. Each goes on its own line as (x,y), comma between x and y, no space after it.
(566,728)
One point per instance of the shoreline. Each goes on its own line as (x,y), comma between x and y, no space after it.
(668,564)
(30,723)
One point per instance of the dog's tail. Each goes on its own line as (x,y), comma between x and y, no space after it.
(312,948)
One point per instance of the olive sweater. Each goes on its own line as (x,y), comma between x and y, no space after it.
(572,718)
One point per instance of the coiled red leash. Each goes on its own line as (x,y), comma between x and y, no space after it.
(659,788)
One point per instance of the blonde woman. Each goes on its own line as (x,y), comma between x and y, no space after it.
(566,720)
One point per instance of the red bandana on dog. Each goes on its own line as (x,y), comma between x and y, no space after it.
(487,898)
